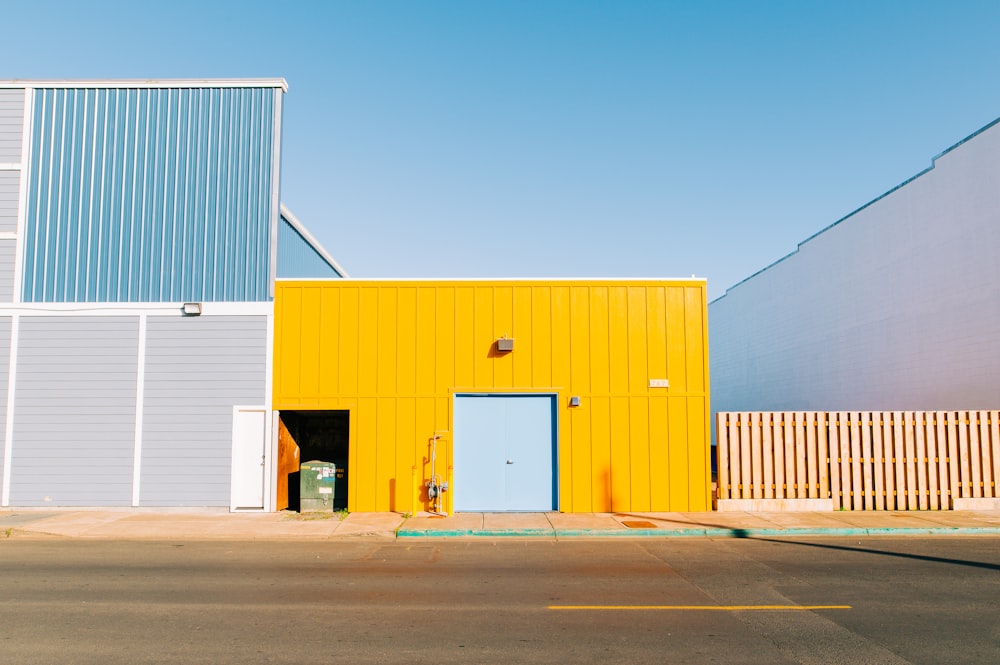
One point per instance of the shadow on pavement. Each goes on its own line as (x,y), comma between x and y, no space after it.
(866,550)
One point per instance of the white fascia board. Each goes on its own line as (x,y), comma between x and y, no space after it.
(507,280)
(135,309)
(309,238)
(148,83)
(275,207)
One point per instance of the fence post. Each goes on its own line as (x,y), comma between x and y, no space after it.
(866,459)
(995,447)
(746,467)
(768,450)
(857,489)
(880,459)
(932,462)
(963,454)
(788,434)
(812,458)
(756,456)
(975,457)
(780,478)
(722,456)
(735,456)
(835,493)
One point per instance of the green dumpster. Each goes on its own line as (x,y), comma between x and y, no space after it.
(317,480)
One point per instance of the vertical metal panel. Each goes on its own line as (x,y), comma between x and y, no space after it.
(10,185)
(11,125)
(197,369)
(629,446)
(297,259)
(8,250)
(149,195)
(75,411)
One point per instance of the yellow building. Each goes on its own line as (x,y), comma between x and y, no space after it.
(578,396)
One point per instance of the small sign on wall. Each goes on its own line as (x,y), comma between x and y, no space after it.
(659,383)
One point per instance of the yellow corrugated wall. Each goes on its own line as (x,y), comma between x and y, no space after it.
(394,353)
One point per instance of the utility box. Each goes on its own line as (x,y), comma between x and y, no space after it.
(317,481)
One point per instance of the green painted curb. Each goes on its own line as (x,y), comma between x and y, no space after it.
(698,533)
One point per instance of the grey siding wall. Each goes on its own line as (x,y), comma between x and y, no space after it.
(11,125)
(197,369)
(74,411)
(8,250)
(10,181)
(5,322)
(895,307)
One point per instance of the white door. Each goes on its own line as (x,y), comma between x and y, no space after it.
(249,440)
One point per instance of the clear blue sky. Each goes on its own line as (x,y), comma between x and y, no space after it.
(564,139)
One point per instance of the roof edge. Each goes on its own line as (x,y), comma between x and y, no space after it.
(506,280)
(148,83)
(863,207)
(311,239)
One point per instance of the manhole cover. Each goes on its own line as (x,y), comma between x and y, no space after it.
(639,524)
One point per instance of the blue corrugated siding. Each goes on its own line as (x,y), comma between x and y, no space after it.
(150,195)
(297,259)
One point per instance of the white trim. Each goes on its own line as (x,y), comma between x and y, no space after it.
(10,166)
(309,238)
(271,473)
(8,435)
(147,83)
(275,195)
(140,398)
(22,198)
(8,235)
(270,421)
(134,309)
(504,280)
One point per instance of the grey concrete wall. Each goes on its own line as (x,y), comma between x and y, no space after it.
(75,411)
(197,369)
(895,307)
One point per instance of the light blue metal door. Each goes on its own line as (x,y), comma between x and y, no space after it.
(504,450)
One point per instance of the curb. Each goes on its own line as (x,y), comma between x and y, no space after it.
(697,533)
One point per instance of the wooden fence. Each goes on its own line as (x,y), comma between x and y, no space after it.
(900,460)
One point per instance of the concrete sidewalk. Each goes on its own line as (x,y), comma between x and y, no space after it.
(219,524)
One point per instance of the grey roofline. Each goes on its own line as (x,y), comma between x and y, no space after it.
(147,83)
(309,238)
(856,211)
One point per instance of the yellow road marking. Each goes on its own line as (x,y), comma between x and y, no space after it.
(704,608)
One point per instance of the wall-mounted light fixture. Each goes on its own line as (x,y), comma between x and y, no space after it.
(574,401)
(191,309)
(505,345)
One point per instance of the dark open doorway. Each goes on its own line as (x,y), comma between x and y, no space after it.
(321,436)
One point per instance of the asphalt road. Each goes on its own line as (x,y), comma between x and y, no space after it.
(911,600)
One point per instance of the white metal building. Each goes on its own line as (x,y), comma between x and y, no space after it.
(895,306)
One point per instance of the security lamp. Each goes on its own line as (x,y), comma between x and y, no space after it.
(191,309)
